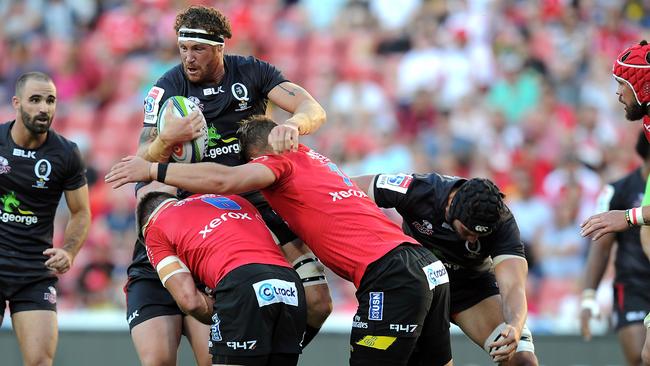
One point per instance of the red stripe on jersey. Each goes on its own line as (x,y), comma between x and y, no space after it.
(336,219)
(212,235)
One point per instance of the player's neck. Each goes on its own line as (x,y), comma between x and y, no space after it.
(25,138)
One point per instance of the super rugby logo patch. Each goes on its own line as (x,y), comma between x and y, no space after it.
(394,182)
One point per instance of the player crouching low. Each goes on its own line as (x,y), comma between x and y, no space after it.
(259,315)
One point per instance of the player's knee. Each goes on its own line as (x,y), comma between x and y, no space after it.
(39,360)
(157,359)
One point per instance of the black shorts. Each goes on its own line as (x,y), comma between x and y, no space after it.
(26,294)
(631,304)
(273,221)
(260,309)
(146,299)
(400,318)
(468,288)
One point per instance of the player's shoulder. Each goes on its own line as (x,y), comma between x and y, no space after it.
(57,140)
(4,132)
(175,73)
(240,60)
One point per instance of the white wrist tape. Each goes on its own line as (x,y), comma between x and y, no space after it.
(646,321)
(170,266)
(589,302)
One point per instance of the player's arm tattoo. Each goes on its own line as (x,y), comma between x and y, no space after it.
(290,92)
(148,135)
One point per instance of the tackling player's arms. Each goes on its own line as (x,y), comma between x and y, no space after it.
(197,178)
(217,178)
(178,280)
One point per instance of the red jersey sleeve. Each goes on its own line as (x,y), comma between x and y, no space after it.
(279,165)
(158,246)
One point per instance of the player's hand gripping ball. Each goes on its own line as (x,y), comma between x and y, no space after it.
(191,151)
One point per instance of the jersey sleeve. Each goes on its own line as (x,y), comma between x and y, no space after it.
(158,246)
(76,175)
(279,165)
(267,75)
(507,240)
(157,95)
(392,190)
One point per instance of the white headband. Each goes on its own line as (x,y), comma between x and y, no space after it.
(200,36)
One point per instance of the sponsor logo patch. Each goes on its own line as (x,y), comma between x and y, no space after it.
(151,104)
(4,165)
(376,306)
(378,342)
(436,274)
(215,332)
(50,296)
(274,291)
(394,182)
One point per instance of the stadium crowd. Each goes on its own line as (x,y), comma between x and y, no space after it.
(517,91)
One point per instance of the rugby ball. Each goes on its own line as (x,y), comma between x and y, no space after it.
(190,151)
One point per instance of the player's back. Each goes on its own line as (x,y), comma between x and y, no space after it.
(214,234)
(336,219)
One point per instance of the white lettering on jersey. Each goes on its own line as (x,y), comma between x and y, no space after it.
(24,154)
(394,182)
(151,105)
(213,91)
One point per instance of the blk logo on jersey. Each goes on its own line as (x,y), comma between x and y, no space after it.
(213,91)
(394,182)
(24,154)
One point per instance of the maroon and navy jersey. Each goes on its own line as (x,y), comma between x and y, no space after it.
(31,184)
(421,200)
(337,220)
(212,235)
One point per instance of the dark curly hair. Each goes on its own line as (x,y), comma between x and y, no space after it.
(203,17)
(478,204)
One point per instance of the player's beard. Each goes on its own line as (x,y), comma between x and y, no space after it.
(35,124)
(635,111)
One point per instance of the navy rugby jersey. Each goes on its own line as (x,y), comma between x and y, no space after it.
(632,265)
(421,200)
(31,185)
(243,92)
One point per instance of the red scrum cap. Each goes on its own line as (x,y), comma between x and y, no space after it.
(633,67)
